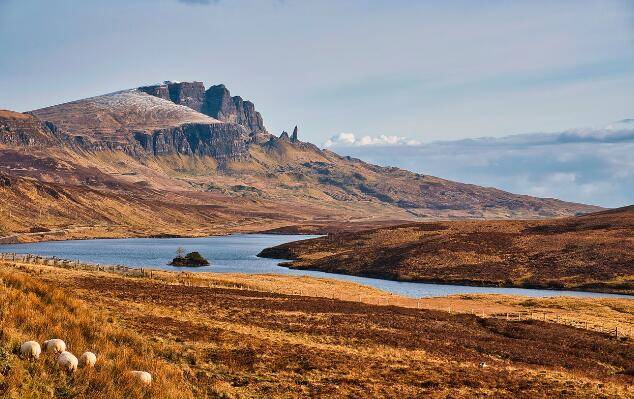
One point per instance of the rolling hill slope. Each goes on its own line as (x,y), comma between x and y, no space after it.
(206,147)
(591,252)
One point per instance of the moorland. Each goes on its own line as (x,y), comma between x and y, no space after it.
(593,252)
(229,336)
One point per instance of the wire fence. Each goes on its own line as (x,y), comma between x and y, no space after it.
(189,279)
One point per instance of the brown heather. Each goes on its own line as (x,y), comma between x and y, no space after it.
(244,336)
(594,252)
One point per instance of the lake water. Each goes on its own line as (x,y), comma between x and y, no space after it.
(237,254)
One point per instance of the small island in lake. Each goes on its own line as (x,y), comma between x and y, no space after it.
(192,259)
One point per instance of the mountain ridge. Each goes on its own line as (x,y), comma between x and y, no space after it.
(155,143)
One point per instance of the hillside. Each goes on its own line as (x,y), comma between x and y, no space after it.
(592,252)
(232,336)
(151,144)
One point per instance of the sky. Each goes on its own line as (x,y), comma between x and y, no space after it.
(421,71)
(592,166)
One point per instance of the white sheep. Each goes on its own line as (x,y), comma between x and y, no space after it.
(143,376)
(87,359)
(30,350)
(54,346)
(67,361)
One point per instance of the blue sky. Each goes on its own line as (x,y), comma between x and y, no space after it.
(423,70)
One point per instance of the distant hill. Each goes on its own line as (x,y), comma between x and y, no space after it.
(147,146)
(591,252)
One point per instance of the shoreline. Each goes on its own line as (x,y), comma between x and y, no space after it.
(337,277)
(628,294)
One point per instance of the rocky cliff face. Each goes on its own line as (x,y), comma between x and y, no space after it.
(216,102)
(139,124)
(220,105)
(223,141)
(22,130)
(160,91)
(189,94)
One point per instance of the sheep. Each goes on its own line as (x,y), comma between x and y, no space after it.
(143,376)
(67,361)
(30,350)
(483,365)
(54,346)
(87,359)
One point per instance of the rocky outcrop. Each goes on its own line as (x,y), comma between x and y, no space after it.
(143,123)
(160,91)
(294,135)
(189,94)
(292,139)
(222,141)
(216,102)
(220,105)
(24,130)
(5,181)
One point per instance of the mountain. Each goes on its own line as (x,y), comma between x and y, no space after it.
(180,145)
(590,252)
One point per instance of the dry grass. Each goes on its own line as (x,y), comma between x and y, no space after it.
(212,336)
(32,310)
(593,252)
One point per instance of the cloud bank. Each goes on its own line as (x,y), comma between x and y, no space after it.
(350,139)
(594,166)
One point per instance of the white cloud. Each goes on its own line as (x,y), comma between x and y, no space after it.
(350,139)
(592,165)
(625,124)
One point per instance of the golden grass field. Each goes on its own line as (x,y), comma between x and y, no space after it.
(243,336)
